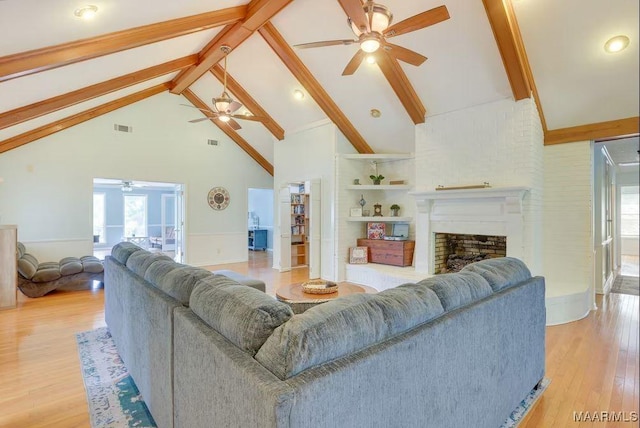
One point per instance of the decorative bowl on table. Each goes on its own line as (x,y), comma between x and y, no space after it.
(319,286)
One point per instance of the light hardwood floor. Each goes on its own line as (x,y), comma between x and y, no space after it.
(593,363)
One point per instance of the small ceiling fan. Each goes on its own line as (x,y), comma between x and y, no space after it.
(224,106)
(371,24)
(128,185)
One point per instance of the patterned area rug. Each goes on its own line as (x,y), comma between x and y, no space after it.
(114,400)
(626,285)
(525,405)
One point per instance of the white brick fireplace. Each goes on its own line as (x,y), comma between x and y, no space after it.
(486,211)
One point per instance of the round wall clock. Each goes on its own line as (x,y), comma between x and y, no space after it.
(218,198)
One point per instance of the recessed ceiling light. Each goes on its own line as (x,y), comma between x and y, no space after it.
(247,113)
(86,12)
(375,113)
(616,44)
(298,94)
(371,59)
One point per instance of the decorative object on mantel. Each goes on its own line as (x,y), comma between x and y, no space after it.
(362,202)
(392,182)
(319,286)
(355,212)
(376,178)
(473,186)
(356,181)
(394,210)
(377,210)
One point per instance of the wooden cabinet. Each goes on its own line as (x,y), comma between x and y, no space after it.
(395,253)
(8,267)
(258,239)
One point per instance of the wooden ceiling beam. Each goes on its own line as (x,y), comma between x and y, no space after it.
(32,111)
(34,61)
(313,87)
(401,86)
(593,131)
(248,102)
(68,122)
(505,31)
(258,13)
(224,127)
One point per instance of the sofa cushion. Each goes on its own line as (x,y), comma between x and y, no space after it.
(242,279)
(46,274)
(140,261)
(27,266)
(91,264)
(500,272)
(70,266)
(346,325)
(21,249)
(458,289)
(178,282)
(244,315)
(123,250)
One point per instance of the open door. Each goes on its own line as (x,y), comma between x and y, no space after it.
(284,216)
(314,236)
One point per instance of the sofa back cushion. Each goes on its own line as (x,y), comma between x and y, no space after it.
(346,325)
(458,289)
(175,279)
(27,265)
(123,250)
(244,315)
(500,272)
(140,261)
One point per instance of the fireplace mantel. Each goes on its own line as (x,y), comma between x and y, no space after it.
(485,211)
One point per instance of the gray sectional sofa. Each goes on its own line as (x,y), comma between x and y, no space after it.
(450,351)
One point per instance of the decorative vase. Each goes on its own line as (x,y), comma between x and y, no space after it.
(394,212)
(377,182)
(362,202)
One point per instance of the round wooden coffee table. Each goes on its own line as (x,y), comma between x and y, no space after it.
(300,301)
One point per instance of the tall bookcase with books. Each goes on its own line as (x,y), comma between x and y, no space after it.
(299,227)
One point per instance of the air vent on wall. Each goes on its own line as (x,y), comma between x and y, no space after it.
(212,142)
(123,128)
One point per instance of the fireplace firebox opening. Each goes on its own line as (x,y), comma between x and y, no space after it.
(454,251)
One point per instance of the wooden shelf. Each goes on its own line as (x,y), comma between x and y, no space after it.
(378,187)
(380,219)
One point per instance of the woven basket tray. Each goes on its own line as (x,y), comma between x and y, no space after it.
(319,286)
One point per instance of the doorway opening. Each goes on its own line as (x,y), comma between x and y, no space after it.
(148,214)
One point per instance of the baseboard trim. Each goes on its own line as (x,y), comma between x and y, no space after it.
(568,308)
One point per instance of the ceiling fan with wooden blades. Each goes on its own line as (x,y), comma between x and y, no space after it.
(225,107)
(371,24)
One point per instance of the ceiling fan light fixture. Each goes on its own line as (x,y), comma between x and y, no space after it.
(86,12)
(224,118)
(379,16)
(616,44)
(370,44)
(222,103)
(371,59)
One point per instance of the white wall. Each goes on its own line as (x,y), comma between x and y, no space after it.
(303,156)
(48,184)
(500,143)
(568,236)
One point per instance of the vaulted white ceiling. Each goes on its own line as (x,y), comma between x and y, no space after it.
(577,81)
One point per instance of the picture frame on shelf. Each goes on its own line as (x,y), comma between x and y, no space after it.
(355,212)
(358,255)
(376,230)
